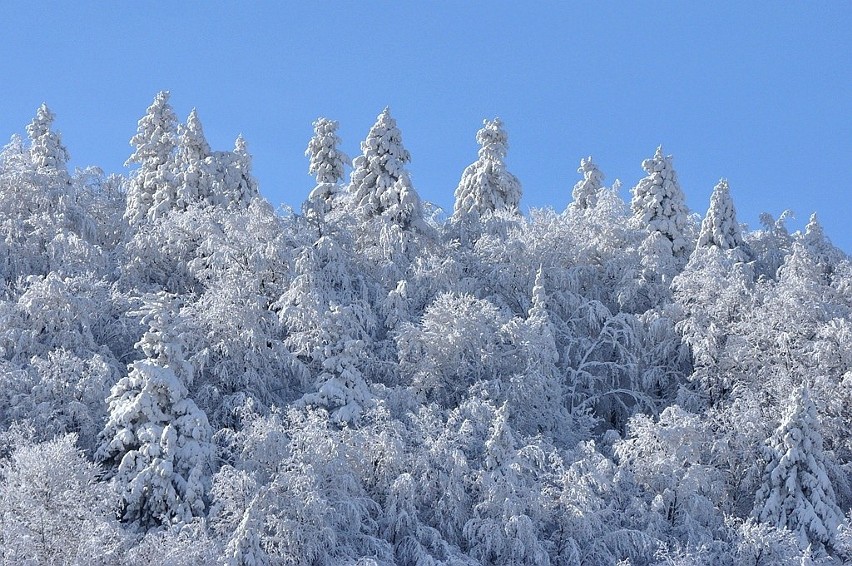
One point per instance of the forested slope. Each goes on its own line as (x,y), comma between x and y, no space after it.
(188,376)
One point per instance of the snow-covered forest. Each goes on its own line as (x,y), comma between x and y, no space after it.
(190,376)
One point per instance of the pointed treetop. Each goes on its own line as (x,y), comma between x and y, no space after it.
(720,227)
(500,445)
(385,139)
(245,161)
(14,155)
(492,139)
(155,136)
(240,145)
(814,234)
(486,185)
(379,184)
(193,144)
(585,193)
(162,341)
(659,203)
(327,162)
(822,258)
(795,492)
(46,149)
(245,158)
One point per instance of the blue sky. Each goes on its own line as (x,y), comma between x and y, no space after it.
(760,93)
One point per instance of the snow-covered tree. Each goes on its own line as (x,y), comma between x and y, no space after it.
(503,527)
(242,186)
(539,320)
(327,164)
(535,390)
(670,460)
(486,186)
(222,179)
(380,185)
(719,227)
(155,435)
(341,386)
(47,153)
(569,387)
(659,204)
(796,492)
(771,244)
(825,255)
(585,192)
(312,510)
(455,345)
(14,157)
(42,227)
(179,545)
(53,508)
(192,170)
(154,142)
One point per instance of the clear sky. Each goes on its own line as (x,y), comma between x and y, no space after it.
(760,93)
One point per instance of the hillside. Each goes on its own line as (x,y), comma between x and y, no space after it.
(189,376)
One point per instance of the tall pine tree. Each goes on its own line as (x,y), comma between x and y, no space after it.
(47,153)
(380,185)
(486,185)
(795,492)
(659,204)
(585,193)
(327,164)
(155,433)
(154,143)
(719,227)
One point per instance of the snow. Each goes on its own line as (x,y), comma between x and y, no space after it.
(188,376)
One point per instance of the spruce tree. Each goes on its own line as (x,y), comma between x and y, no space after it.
(192,168)
(719,227)
(659,204)
(795,492)
(344,339)
(235,188)
(828,259)
(585,193)
(327,164)
(154,144)
(155,433)
(380,186)
(486,186)
(47,153)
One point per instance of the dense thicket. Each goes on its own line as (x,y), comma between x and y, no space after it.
(188,376)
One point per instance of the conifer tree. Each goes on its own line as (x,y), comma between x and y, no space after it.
(14,157)
(191,169)
(154,144)
(327,164)
(501,529)
(155,433)
(814,234)
(659,204)
(795,492)
(543,354)
(585,193)
(825,255)
(380,185)
(719,227)
(46,150)
(341,387)
(536,395)
(486,186)
(238,186)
